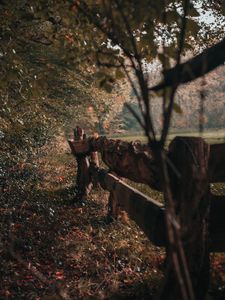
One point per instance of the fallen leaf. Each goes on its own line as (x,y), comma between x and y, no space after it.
(78,210)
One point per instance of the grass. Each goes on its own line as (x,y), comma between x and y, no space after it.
(72,247)
(68,244)
(210,136)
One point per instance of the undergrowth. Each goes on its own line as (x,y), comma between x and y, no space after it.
(53,247)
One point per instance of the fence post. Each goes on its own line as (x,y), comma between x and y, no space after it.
(94,159)
(94,164)
(83,181)
(113,207)
(191,196)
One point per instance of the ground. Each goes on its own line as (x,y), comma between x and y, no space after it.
(55,248)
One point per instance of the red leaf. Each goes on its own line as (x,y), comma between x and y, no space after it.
(78,210)
(61,178)
(17,225)
(59,273)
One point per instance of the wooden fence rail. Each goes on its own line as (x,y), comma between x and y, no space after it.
(129,160)
(195,165)
(136,162)
(217,163)
(146,212)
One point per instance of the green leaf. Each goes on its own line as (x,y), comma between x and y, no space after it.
(177,108)
(192,27)
(223,9)
(172,16)
(107,87)
(193,11)
(119,74)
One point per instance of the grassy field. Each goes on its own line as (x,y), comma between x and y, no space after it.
(210,136)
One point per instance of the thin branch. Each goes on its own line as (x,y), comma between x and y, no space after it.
(86,12)
(129,30)
(168,112)
(140,76)
(130,56)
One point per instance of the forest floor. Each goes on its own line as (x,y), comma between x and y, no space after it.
(53,248)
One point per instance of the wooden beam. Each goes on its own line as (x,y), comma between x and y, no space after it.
(146,212)
(149,214)
(217,163)
(78,147)
(217,223)
(136,162)
(133,160)
(196,67)
(190,188)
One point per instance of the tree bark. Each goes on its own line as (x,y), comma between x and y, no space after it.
(133,160)
(191,196)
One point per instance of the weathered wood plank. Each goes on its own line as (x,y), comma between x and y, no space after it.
(146,212)
(217,223)
(83,181)
(217,163)
(190,188)
(135,203)
(132,160)
(136,162)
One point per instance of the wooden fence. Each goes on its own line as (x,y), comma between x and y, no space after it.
(193,165)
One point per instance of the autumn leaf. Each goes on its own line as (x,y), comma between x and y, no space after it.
(78,210)
(17,225)
(61,178)
(59,275)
